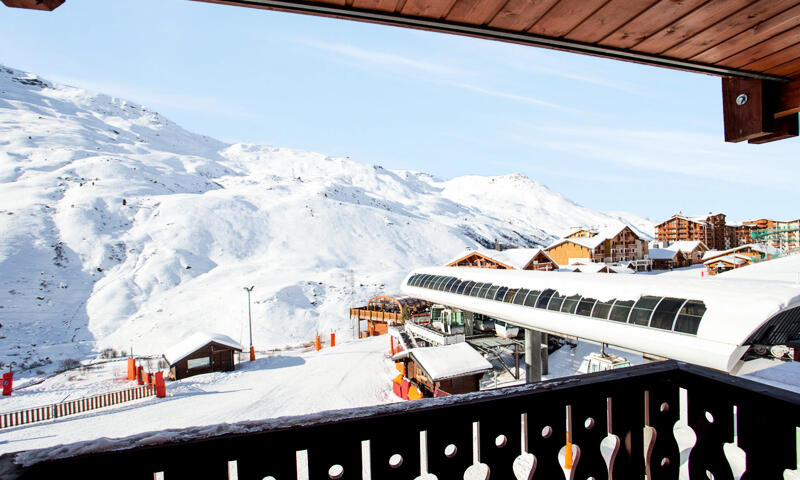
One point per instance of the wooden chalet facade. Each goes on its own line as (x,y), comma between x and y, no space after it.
(716,234)
(784,235)
(477,259)
(509,259)
(754,252)
(711,230)
(692,250)
(201,353)
(667,259)
(610,246)
(727,262)
(443,370)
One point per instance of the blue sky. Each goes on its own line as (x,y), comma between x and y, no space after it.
(606,134)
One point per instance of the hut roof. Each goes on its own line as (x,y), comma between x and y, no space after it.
(449,361)
(196,341)
(662,253)
(686,246)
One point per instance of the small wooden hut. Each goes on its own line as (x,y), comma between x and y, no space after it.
(449,369)
(201,352)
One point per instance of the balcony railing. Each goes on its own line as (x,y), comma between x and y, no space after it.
(629,414)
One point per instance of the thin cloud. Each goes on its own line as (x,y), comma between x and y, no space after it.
(390,60)
(513,97)
(674,152)
(559,64)
(442,74)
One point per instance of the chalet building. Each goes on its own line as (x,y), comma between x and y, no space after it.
(603,246)
(716,234)
(582,233)
(710,229)
(739,234)
(727,262)
(444,370)
(594,267)
(199,353)
(692,250)
(667,259)
(784,235)
(510,259)
(754,252)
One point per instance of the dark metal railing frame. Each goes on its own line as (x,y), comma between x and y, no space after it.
(620,402)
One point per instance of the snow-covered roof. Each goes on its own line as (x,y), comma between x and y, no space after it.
(596,267)
(590,243)
(603,234)
(701,219)
(196,341)
(733,259)
(512,257)
(686,246)
(441,363)
(780,270)
(752,246)
(662,253)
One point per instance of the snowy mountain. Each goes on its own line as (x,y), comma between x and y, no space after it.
(120,229)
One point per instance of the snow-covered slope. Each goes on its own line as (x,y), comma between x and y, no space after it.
(120,229)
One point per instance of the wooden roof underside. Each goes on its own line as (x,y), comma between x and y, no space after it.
(746,39)
(759,39)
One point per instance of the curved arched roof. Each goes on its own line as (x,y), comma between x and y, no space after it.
(722,313)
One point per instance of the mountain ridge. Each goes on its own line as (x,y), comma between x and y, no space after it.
(123,230)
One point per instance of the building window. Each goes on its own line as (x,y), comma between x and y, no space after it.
(202,362)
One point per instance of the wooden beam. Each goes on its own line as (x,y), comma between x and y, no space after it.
(784,127)
(48,5)
(745,107)
(788,99)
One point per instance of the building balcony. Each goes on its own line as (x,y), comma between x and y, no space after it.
(620,423)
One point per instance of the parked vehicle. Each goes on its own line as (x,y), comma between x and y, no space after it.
(505,330)
(599,362)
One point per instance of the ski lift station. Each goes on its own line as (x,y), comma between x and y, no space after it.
(732,325)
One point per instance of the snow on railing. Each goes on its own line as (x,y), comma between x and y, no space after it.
(80,405)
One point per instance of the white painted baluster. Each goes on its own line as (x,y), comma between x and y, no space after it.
(423,458)
(736,456)
(478,470)
(301,458)
(649,436)
(794,474)
(525,464)
(609,446)
(366,461)
(684,434)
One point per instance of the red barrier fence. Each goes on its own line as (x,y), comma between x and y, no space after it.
(39,414)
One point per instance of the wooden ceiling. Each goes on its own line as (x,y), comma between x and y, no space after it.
(757,40)
(724,37)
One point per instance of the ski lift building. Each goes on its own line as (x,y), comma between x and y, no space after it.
(383,311)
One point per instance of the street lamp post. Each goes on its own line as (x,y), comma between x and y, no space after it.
(250,323)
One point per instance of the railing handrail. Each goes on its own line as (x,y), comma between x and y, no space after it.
(587,396)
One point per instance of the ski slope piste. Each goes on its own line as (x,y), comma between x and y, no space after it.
(729,324)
